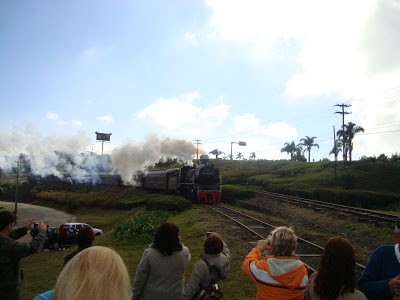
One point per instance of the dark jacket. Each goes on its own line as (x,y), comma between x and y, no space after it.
(201,276)
(11,251)
(71,255)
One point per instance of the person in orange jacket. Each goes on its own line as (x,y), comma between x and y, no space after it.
(280,274)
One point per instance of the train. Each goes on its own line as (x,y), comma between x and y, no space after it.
(201,183)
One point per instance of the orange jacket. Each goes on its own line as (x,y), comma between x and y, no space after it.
(281,277)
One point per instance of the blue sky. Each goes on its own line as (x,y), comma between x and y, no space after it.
(264,72)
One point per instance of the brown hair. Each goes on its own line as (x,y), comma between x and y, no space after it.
(167,239)
(94,273)
(213,244)
(335,272)
(283,241)
(85,237)
(6,217)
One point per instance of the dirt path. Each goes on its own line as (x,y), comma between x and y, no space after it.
(48,216)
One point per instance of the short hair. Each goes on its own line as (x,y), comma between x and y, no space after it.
(213,244)
(166,238)
(85,237)
(335,273)
(283,241)
(6,217)
(94,273)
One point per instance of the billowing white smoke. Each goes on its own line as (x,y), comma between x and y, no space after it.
(132,157)
(48,155)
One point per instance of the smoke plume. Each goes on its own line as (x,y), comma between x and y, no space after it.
(132,157)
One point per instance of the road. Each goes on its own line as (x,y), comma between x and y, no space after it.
(49,216)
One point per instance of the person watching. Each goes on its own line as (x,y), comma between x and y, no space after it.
(161,272)
(381,277)
(84,239)
(335,277)
(94,273)
(12,251)
(217,254)
(281,275)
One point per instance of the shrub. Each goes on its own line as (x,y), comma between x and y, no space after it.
(142,227)
(231,193)
(170,203)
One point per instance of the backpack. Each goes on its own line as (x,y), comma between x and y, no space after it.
(217,292)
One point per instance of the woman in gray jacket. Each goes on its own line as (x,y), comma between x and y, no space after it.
(218,256)
(161,272)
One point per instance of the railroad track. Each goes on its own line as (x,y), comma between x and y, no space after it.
(363,215)
(308,252)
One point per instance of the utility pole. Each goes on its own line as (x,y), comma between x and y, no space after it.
(197,151)
(16,195)
(343,113)
(334,145)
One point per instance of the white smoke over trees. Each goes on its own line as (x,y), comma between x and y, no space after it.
(67,156)
(133,157)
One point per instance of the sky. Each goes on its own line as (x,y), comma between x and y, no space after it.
(217,72)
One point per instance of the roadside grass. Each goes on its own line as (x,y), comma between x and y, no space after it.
(41,269)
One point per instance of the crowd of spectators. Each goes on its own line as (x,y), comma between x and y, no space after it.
(95,272)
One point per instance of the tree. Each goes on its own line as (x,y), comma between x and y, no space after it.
(290,149)
(216,152)
(239,155)
(308,142)
(346,134)
(336,148)
(252,155)
(298,156)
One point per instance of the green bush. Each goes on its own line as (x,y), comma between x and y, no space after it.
(142,227)
(168,202)
(231,193)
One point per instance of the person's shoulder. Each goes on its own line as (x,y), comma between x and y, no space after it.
(45,296)
(383,249)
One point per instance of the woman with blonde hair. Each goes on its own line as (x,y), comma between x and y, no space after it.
(280,275)
(94,273)
(335,277)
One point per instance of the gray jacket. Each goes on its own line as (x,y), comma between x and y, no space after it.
(159,276)
(201,276)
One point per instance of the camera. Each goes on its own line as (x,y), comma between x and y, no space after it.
(208,233)
(36,226)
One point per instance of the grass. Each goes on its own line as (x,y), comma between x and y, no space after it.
(193,226)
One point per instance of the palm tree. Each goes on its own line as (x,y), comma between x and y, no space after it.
(337,147)
(216,152)
(298,156)
(252,155)
(290,149)
(308,142)
(239,155)
(347,135)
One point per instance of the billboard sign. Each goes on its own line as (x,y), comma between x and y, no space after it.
(242,143)
(103,136)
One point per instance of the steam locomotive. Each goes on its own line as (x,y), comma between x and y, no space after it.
(201,183)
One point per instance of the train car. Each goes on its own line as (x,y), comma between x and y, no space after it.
(201,183)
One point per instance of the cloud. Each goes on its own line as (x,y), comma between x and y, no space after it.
(191,37)
(77,123)
(107,119)
(93,53)
(191,96)
(183,114)
(341,47)
(52,116)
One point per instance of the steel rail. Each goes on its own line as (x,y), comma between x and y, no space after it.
(270,225)
(360,212)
